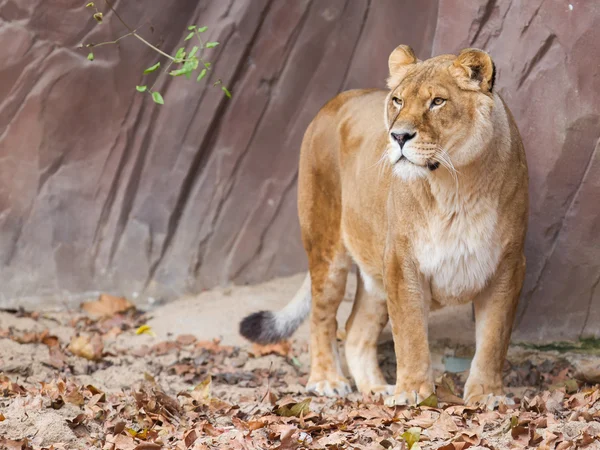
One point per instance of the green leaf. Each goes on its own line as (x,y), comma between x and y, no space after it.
(141,88)
(180,54)
(90,5)
(189,66)
(202,75)
(193,51)
(207,65)
(90,56)
(179,72)
(98,16)
(411,436)
(189,36)
(211,44)
(192,27)
(202,29)
(152,68)
(158,98)
(227,93)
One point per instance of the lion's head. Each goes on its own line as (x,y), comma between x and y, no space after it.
(438,111)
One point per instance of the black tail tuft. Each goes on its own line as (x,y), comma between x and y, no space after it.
(261,327)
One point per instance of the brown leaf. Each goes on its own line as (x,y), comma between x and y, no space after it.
(443,428)
(58,359)
(73,395)
(455,446)
(445,395)
(78,420)
(106,306)
(181,369)
(190,438)
(50,341)
(286,434)
(87,347)
(186,339)
(515,432)
(2,418)
(97,398)
(119,427)
(213,346)
(164,347)
(168,403)
(93,389)
(211,430)
(255,425)
(282,348)
(148,446)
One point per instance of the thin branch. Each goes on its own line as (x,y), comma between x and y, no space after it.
(133,33)
(116,41)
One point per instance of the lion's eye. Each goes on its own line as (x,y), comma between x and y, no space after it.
(398,102)
(438,101)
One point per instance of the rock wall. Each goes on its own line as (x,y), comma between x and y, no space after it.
(101,190)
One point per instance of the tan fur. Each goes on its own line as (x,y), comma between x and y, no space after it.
(421,238)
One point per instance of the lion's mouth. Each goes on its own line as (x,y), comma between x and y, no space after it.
(431,165)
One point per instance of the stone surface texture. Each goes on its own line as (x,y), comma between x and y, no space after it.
(101,190)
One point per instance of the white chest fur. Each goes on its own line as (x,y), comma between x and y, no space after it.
(459,251)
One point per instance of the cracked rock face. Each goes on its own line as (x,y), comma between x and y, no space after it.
(100,190)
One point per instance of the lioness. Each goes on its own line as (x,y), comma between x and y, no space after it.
(425,188)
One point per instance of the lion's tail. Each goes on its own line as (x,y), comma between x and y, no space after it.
(268,327)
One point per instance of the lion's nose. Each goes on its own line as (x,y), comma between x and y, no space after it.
(403,138)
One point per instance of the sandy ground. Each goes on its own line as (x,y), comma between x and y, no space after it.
(53,392)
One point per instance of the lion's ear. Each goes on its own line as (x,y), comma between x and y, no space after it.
(475,70)
(399,63)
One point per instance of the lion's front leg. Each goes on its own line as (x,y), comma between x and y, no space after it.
(494,315)
(408,310)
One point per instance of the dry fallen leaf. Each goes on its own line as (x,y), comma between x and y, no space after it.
(148,446)
(58,359)
(282,348)
(431,401)
(164,347)
(294,409)
(50,341)
(411,436)
(87,347)
(145,329)
(106,306)
(186,339)
(201,392)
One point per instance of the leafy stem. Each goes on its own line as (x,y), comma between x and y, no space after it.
(189,61)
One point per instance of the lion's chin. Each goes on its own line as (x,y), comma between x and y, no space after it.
(408,171)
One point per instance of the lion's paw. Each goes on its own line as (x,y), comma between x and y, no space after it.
(489,401)
(404,398)
(377,389)
(328,388)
